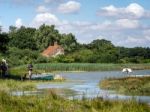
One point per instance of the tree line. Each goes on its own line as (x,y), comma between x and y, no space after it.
(25,44)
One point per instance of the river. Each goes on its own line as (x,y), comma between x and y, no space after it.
(85,84)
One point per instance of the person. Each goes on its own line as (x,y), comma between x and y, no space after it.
(30,68)
(4,68)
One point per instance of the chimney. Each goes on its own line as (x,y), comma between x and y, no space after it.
(55,43)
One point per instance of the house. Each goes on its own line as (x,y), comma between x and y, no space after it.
(53,51)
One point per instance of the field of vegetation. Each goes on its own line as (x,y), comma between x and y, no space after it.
(128,85)
(53,103)
(51,67)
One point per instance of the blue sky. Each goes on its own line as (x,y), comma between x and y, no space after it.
(124,22)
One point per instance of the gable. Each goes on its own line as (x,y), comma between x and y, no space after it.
(53,51)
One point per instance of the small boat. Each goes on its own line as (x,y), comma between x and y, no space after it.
(42,77)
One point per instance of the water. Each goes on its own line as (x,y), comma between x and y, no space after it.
(86,84)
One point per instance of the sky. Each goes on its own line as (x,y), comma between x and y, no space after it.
(123,22)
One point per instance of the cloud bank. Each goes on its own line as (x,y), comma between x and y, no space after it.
(132,11)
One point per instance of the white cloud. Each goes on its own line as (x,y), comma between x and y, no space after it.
(146,34)
(69,7)
(130,41)
(135,9)
(126,23)
(132,11)
(18,23)
(45,18)
(42,9)
(122,32)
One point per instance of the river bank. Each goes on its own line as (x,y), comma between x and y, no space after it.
(128,85)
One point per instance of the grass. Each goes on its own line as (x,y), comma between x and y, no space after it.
(128,85)
(13,85)
(50,67)
(17,72)
(53,103)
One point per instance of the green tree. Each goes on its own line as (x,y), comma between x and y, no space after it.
(22,38)
(45,36)
(83,55)
(69,42)
(3,42)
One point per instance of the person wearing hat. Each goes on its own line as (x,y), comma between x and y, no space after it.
(30,68)
(4,68)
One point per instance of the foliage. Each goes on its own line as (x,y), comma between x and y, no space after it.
(69,43)
(17,56)
(128,85)
(45,36)
(25,44)
(3,42)
(22,38)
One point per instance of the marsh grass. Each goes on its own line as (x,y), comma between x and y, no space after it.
(50,67)
(128,85)
(13,85)
(53,103)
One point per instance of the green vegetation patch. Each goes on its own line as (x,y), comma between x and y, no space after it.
(50,67)
(128,85)
(53,103)
(11,85)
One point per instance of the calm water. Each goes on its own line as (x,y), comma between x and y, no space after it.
(86,84)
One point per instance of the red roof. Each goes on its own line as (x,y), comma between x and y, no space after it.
(52,50)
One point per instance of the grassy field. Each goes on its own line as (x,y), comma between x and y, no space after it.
(50,67)
(53,103)
(128,85)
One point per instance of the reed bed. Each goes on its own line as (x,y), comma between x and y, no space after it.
(53,103)
(49,67)
(8,85)
(128,85)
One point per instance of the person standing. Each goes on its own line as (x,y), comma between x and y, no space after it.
(4,68)
(30,68)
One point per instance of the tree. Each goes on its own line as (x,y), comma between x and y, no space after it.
(101,45)
(45,36)
(83,55)
(3,42)
(69,42)
(22,38)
